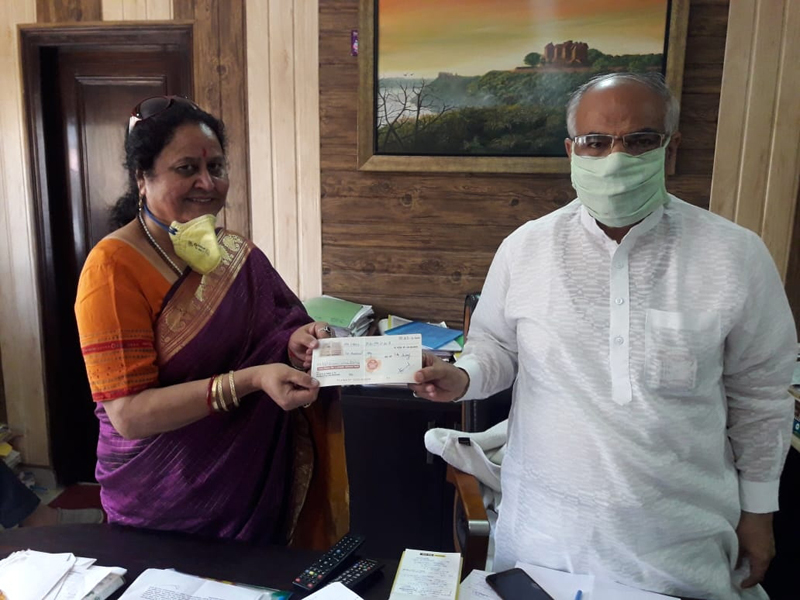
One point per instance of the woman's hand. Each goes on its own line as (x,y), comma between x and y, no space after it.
(439,381)
(304,340)
(288,387)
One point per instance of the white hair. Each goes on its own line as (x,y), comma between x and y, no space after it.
(654,81)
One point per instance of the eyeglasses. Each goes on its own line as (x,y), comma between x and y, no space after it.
(150,107)
(600,144)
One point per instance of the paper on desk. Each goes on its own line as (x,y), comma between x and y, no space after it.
(29,575)
(605,589)
(335,591)
(424,575)
(171,585)
(474,587)
(563,586)
(365,360)
(80,582)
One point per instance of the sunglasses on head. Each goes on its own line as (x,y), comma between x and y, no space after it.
(150,107)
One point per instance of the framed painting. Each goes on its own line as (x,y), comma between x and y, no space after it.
(481,85)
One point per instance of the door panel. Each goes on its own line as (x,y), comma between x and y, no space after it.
(95,88)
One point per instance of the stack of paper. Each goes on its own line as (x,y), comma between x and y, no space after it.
(436,337)
(347,318)
(31,575)
(424,575)
(11,457)
(168,584)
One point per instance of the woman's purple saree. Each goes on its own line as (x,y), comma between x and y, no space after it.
(246,474)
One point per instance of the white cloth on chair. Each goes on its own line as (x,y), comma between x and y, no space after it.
(481,458)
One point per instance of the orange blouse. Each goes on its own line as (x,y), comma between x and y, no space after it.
(119,298)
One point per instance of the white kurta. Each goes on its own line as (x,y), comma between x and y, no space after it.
(650,394)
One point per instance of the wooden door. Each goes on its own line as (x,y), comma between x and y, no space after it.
(87,89)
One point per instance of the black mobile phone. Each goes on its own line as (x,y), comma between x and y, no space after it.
(516,584)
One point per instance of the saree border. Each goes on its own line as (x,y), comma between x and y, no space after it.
(198,297)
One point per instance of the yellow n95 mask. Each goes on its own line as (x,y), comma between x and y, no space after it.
(620,189)
(194,241)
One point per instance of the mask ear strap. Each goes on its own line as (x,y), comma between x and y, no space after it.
(165,227)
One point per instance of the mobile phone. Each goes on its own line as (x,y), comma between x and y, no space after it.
(516,584)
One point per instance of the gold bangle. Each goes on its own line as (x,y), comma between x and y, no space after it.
(218,393)
(232,386)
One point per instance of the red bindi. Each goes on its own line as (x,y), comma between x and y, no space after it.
(205,152)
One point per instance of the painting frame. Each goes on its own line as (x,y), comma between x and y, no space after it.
(368,160)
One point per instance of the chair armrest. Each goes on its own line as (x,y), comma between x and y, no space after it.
(468,490)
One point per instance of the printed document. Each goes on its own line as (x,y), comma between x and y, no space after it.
(367,360)
(474,587)
(163,584)
(424,575)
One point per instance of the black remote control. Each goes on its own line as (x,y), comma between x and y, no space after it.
(317,574)
(358,573)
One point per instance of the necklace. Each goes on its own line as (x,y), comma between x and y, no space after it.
(158,248)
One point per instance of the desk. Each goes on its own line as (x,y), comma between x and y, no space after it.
(137,550)
(399,497)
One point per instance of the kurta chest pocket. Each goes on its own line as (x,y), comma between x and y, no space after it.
(683,351)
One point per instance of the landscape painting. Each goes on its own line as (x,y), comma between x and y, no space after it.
(490,78)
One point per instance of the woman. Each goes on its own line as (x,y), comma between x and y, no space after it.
(195,350)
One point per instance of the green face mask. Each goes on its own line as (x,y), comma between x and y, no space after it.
(619,189)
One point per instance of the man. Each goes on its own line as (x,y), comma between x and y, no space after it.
(651,346)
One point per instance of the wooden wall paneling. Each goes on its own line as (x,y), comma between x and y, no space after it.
(113,10)
(259,110)
(219,88)
(306,67)
(282,88)
(65,11)
(757,164)
(462,217)
(233,111)
(206,56)
(159,10)
(758,130)
(20,319)
(137,10)
(783,176)
(732,109)
(183,9)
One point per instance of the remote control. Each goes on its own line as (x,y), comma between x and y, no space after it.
(316,575)
(358,573)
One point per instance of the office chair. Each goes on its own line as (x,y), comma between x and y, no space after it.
(471,527)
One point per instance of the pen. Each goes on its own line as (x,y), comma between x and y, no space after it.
(579,595)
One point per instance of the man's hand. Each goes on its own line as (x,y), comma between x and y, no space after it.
(439,381)
(757,544)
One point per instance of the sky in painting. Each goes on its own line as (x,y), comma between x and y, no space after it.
(471,37)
